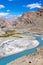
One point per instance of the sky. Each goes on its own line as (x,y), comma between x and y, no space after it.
(15,8)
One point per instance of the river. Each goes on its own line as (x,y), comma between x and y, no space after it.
(10,58)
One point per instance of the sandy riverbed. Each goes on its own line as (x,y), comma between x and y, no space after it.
(17,45)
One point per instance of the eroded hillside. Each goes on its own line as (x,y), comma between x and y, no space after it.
(30,21)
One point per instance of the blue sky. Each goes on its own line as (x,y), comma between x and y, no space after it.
(11,8)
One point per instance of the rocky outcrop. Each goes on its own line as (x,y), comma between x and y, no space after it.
(40,12)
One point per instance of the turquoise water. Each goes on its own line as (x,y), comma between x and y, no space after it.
(10,58)
(40,41)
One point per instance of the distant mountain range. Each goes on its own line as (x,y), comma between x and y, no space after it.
(33,21)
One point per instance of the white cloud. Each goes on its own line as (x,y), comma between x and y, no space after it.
(19,15)
(2,6)
(13,15)
(34,5)
(3,14)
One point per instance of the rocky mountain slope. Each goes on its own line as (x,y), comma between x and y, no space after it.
(31,21)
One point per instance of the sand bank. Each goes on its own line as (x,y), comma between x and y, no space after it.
(14,46)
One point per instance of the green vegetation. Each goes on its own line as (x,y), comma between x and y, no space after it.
(11,33)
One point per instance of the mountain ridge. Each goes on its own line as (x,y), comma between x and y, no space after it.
(32,21)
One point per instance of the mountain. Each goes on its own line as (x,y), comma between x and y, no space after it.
(30,21)
(4,25)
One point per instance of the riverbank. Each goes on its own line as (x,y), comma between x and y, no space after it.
(32,59)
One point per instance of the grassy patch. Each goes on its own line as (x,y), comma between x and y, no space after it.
(11,33)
